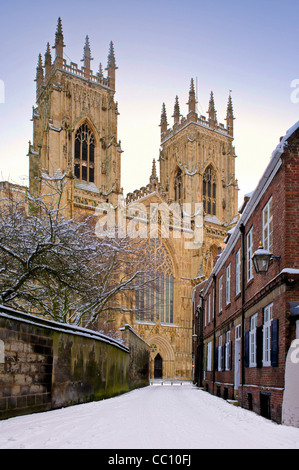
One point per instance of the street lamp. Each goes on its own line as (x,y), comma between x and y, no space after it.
(261,259)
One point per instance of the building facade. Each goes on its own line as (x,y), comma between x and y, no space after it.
(245,321)
(75,136)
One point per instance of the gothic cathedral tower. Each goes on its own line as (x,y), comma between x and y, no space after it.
(197,163)
(75,129)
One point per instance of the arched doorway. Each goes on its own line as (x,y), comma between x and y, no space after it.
(158,367)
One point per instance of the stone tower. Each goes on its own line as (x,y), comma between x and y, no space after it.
(197,164)
(75,129)
(197,177)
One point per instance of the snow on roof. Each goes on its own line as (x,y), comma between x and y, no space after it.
(86,186)
(290,271)
(284,141)
(212,219)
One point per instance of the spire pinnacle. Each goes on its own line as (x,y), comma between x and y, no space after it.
(153,177)
(192,98)
(111,57)
(192,89)
(87,56)
(100,72)
(39,72)
(111,66)
(48,59)
(163,122)
(176,112)
(40,63)
(212,111)
(59,44)
(230,115)
(59,32)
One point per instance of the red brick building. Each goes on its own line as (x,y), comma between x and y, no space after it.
(244,321)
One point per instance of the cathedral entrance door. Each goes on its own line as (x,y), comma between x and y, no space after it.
(158,367)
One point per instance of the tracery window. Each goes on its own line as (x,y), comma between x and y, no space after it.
(178,186)
(155,301)
(84,154)
(209,191)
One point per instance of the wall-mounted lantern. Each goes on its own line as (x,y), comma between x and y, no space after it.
(261,259)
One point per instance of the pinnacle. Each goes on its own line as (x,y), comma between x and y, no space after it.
(176,113)
(230,111)
(100,72)
(48,57)
(212,102)
(59,26)
(153,177)
(59,33)
(111,56)
(86,53)
(176,105)
(154,171)
(40,62)
(192,89)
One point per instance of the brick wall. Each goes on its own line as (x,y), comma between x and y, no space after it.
(261,386)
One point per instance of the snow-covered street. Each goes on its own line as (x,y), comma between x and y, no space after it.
(155,417)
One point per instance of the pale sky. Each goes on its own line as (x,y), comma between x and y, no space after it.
(250,48)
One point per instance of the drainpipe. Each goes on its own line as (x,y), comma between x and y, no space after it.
(242,230)
(214,333)
(200,345)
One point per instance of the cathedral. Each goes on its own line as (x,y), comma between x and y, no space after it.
(75,132)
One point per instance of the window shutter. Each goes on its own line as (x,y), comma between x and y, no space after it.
(223,358)
(259,346)
(274,343)
(246,362)
(230,355)
(216,359)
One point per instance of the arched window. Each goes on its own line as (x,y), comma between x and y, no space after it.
(154,300)
(209,191)
(84,154)
(178,186)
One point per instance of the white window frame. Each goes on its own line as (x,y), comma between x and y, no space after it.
(238,271)
(238,331)
(227,344)
(249,247)
(219,353)
(252,340)
(227,284)
(209,308)
(220,299)
(267,222)
(213,300)
(209,356)
(268,317)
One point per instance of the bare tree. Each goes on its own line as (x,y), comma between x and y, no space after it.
(59,267)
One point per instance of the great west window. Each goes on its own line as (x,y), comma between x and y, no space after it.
(154,298)
(84,154)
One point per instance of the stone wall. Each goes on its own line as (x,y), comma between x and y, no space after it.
(46,365)
(139,373)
